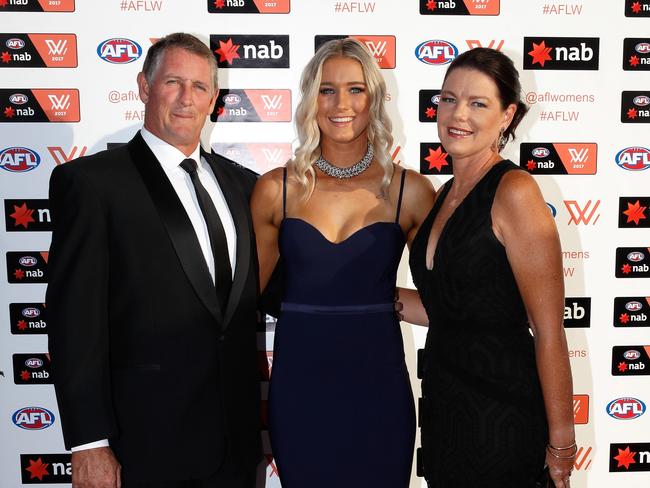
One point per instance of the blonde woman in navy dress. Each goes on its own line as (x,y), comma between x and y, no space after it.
(341,410)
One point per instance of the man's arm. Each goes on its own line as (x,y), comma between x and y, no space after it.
(77,297)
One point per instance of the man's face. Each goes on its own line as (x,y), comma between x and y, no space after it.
(178,98)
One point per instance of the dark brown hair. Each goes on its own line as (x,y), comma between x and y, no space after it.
(500,69)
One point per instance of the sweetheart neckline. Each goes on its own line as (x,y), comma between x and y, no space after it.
(298,219)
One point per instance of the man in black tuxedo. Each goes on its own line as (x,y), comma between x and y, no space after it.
(153,296)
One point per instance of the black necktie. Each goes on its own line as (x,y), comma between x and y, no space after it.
(222,269)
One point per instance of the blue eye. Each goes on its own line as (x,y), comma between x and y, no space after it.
(357,89)
(447,99)
(326,91)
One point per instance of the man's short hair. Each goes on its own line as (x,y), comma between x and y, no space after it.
(178,40)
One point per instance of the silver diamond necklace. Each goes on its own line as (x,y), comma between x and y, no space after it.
(343,173)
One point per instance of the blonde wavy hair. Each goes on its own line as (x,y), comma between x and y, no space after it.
(379,125)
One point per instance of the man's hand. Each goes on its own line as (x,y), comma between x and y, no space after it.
(95,468)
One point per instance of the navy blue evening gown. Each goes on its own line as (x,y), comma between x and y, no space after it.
(341,410)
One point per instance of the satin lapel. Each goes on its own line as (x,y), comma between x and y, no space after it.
(238,206)
(177,223)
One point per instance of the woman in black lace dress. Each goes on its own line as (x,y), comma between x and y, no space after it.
(497,391)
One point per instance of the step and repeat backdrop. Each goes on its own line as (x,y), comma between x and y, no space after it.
(67,88)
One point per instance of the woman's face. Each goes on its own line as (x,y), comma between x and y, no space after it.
(470,115)
(343,101)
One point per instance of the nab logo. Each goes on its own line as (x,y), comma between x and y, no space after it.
(625,408)
(561,53)
(582,214)
(19,159)
(629,457)
(119,50)
(15,43)
(577,312)
(251,51)
(633,158)
(33,418)
(436,52)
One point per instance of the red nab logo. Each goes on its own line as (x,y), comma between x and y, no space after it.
(119,50)
(250,51)
(561,53)
(249,6)
(637,8)
(434,160)
(629,457)
(632,212)
(459,7)
(45,468)
(19,159)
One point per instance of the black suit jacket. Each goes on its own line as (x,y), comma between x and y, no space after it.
(141,353)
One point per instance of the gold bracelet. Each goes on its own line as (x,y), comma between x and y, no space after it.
(562,448)
(548,449)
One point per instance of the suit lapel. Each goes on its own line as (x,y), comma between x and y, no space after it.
(238,206)
(177,223)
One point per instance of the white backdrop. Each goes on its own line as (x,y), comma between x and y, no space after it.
(583,109)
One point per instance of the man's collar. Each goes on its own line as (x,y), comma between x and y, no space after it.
(168,156)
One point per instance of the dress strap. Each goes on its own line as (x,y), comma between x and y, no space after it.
(284,192)
(399,199)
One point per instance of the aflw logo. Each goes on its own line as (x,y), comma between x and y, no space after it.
(60,156)
(582,214)
(579,155)
(57,48)
(59,102)
(273,156)
(272,102)
(377,49)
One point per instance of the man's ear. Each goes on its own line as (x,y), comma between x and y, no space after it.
(143,87)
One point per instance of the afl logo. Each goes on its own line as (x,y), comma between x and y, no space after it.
(540,152)
(633,306)
(625,408)
(119,50)
(15,43)
(632,355)
(34,363)
(30,312)
(436,52)
(33,418)
(635,256)
(28,261)
(641,100)
(642,48)
(231,99)
(634,158)
(435,99)
(18,99)
(19,159)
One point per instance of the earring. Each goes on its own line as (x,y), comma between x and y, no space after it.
(503,140)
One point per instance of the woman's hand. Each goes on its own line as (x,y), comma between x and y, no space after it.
(560,464)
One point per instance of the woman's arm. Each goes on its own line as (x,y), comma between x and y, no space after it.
(523,223)
(411,309)
(266,208)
